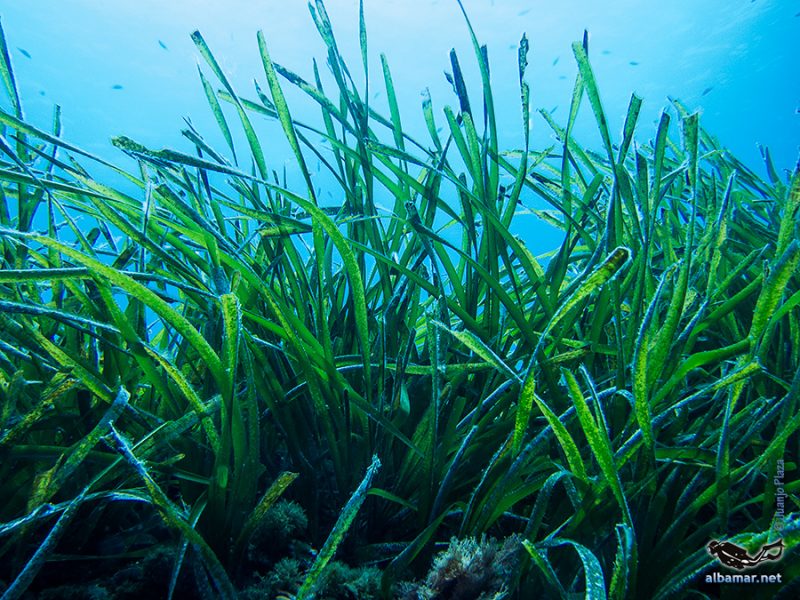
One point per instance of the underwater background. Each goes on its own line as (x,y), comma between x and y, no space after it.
(127,66)
(515,316)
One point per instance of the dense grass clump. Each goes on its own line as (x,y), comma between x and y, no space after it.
(181,354)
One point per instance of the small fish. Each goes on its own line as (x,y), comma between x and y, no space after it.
(24,52)
(708,89)
(554,109)
(41,92)
(522,13)
(633,63)
(797,15)
(555,62)
(163,45)
(606,52)
(562,76)
(116,86)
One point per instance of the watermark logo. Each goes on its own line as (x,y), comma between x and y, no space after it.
(736,557)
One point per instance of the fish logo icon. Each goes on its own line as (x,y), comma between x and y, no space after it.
(736,557)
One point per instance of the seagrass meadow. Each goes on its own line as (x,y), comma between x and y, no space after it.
(214,385)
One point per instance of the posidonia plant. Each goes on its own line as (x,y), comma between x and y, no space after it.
(186,342)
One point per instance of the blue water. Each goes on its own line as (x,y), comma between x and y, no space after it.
(128,66)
